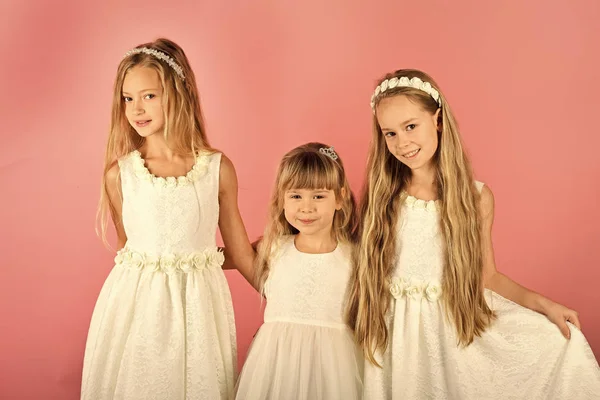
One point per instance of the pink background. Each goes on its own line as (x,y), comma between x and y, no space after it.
(522,79)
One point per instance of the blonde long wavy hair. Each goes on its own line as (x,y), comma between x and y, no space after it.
(184,122)
(305,167)
(375,256)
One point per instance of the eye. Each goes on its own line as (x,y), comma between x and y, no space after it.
(294,196)
(389,134)
(127,99)
(319,196)
(410,127)
(150,96)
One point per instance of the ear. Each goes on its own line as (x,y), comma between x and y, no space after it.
(436,119)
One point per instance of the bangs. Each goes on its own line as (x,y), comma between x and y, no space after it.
(310,171)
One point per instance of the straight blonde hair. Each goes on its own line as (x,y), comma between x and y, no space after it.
(305,167)
(184,122)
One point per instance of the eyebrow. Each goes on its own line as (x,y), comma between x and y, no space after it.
(310,190)
(145,90)
(401,124)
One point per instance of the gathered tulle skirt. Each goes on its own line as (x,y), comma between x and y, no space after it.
(157,335)
(296,361)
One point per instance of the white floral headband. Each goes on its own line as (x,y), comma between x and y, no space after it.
(415,83)
(329,152)
(160,55)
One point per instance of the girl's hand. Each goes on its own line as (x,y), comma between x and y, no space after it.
(559,315)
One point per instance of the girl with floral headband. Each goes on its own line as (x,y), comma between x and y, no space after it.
(435,318)
(304,350)
(163,325)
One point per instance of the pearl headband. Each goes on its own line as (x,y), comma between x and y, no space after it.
(160,55)
(415,83)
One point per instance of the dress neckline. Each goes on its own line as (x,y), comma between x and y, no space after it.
(198,169)
(415,203)
(333,252)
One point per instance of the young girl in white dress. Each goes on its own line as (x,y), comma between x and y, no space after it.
(163,325)
(304,350)
(435,318)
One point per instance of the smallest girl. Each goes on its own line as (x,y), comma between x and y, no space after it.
(304,349)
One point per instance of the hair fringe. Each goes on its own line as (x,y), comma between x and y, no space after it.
(304,167)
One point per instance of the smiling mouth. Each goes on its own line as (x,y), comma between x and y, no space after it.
(411,154)
(142,123)
(307,221)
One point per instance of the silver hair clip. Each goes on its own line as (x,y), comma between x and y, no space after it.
(160,55)
(329,152)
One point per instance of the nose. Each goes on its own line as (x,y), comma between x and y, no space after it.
(137,107)
(306,206)
(402,140)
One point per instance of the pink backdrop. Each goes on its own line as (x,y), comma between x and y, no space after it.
(522,80)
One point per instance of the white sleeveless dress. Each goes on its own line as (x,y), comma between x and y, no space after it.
(163,325)
(304,351)
(521,356)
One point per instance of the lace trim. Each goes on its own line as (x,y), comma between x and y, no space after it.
(431,205)
(416,290)
(171,263)
(198,170)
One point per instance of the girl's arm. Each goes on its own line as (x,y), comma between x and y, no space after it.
(113,185)
(508,288)
(238,251)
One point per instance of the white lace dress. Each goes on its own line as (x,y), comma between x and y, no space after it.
(521,356)
(304,351)
(163,325)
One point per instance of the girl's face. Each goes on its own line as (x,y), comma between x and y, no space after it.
(142,94)
(311,211)
(411,133)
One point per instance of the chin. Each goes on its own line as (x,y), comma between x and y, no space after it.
(419,166)
(305,231)
(145,135)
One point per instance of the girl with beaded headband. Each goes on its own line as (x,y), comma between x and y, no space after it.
(163,324)
(433,315)
(304,350)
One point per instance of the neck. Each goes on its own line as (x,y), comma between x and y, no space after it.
(316,243)
(155,146)
(422,184)
(424,176)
